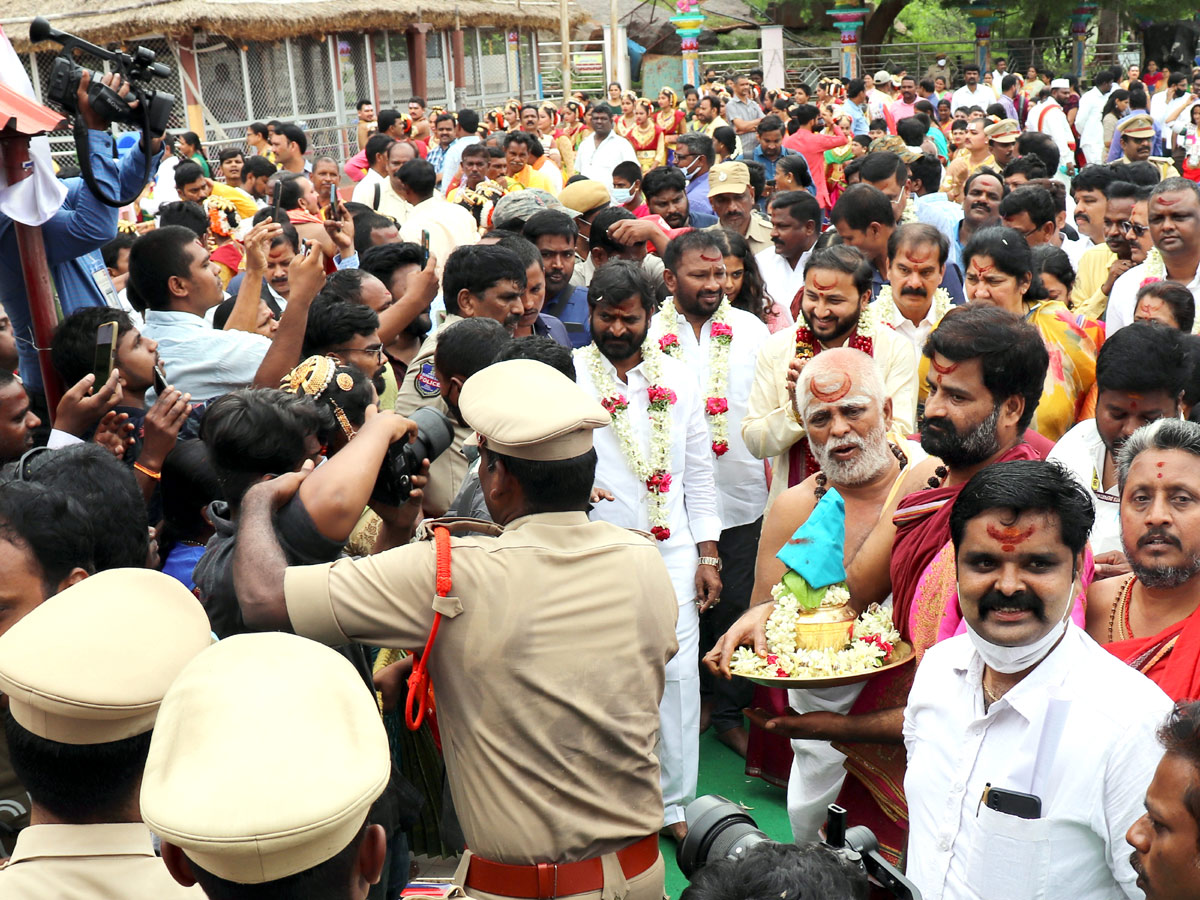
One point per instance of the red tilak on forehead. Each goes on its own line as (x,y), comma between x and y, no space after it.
(1164,199)
(716,257)
(919,259)
(834,395)
(943,370)
(981,270)
(1010,536)
(824,287)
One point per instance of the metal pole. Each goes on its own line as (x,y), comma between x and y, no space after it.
(615,74)
(564,37)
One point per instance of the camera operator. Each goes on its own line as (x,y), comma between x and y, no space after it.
(792,871)
(74,235)
(563,681)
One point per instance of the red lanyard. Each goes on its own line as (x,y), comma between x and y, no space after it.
(417,703)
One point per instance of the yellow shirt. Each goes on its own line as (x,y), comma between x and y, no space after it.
(1087,297)
(531,178)
(242,202)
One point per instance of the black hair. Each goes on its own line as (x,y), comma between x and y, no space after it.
(1093,178)
(77,783)
(352,401)
(916,233)
(550,222)
(605,219)
(1042,146)
(758,177)
(477,267)
(1030,166)
(1051,260)
(468,346)
(1008,82)
(801,206)
(796,871)
(332,322)
(927,170)
(110,501)
(379,142)
(187,172)
(363,226)
(254,432)
(1123,190)
(344,285)
(1011,254)
(753,297)
(184,213)
(911,130)
(617,281)
(845,259)
(663,178)
(979,173)
(1142,173)
(419,177)
(383,260)
(294,134)
(328,879)
(290,193)
(1033,200)
(189,483)
(540,349)
(629,170)
(769,123)
(696,239)
(875,124)
(519,137)
(1177,296)
(229,153)
(49,524)
(997,110)
(1026,485)
(73,347)
(726,137)
(468,120)
(257,166)
(861,205)
(795,165)
(523,247)
(855,87)
(1010,350)
(1143,359)
(558,485)
(111,251)
(882,165)
(475,150)
(259,128)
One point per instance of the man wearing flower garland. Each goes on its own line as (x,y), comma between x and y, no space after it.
(720,345)
(656,460)
(835,313)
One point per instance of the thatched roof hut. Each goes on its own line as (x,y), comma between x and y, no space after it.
(104,21)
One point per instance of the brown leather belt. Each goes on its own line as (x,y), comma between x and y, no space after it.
(542,881)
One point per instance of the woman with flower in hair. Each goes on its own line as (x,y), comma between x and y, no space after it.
(649,142)
(570,132)
(670,118)
(624,123)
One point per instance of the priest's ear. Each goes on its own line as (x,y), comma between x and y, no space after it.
(887,414)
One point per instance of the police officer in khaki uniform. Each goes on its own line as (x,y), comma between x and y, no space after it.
(732,200)
(549,660)
(266,760)
(1137,139)
(84,674)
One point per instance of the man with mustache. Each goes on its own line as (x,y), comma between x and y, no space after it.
(987,368)
(1027,747)
(837,290)
(1174,221)
(1149,619)
(1101,266)
(795,227)
(732,200)
(1166,838)
(981,208)
(480,280)
(657,462)
(1140,377)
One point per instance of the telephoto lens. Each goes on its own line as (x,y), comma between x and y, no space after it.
(435,434)
(717,829)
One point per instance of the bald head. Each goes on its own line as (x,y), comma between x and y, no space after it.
(839,377)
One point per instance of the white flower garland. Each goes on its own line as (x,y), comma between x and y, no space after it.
(1156,266)
(890,315)
(654,471)
(716,402)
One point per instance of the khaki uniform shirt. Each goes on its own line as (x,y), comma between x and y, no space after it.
(758,235)
(548,670)
(421,388)
(95,861)
(1166,167)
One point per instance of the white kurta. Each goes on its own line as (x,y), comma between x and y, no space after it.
(693,515)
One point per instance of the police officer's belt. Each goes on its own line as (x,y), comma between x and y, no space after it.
(545,880)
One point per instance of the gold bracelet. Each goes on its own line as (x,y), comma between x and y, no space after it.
(149,473)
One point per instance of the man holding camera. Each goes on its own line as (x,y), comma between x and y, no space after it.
(75,233)
(548,697)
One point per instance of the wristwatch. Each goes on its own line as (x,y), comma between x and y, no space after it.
(714,561)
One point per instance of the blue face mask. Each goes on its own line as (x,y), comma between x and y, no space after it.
(621,196)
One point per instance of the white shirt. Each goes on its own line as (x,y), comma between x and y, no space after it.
(598,163)
(1091,775)
(201,360)
(983,96)
(453,159)
(449,226)
(1160,109)
(1076,248)
(741,478)
(1055,124)
(1090,125)
(783,282)
(1122,300)
(693,512)
(1081,452)
(917,334)
(391,203)
(364,191)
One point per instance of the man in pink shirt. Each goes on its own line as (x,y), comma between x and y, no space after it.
(812,147)
(905,105)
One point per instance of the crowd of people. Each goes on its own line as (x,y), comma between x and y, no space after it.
(654,336)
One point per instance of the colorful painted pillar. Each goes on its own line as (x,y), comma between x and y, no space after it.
(1081,17)
(688,22)
(983,17)
(848,18)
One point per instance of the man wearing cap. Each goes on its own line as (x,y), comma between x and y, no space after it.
(732,200)
(514,209)
(879,95)
(1136,134)
(601,151)
(1002,140)
(547,698)
(1050,119)
(972,93)
(84,674)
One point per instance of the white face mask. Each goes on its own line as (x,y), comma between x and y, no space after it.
(621,196)
(1009,660)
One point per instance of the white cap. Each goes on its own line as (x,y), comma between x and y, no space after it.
(1060,83)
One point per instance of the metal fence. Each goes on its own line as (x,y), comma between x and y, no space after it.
(588,61)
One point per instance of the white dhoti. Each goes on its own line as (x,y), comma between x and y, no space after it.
(679,711)
(817,771)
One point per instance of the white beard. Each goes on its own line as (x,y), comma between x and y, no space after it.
(873,458)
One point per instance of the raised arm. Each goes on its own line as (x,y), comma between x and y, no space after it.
(245,309)
(306,276)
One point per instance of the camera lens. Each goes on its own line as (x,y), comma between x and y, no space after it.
(717,829)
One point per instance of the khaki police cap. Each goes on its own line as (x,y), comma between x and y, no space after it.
(268,754)
(728,178)
(1139,126)
(584,195)
(527,409)
(1006,131)
(92,663)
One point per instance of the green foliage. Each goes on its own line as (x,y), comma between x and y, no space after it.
(928,21)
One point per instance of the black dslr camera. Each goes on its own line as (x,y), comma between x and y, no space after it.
(720,829)
(151,112)
(435,433)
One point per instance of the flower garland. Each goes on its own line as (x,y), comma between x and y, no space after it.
(890,315)
(1156,268)
(871,645)
(655,470)
(716,403)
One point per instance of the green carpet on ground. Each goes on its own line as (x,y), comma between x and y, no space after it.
(723,772)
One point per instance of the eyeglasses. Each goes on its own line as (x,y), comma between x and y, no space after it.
(1135,230)
(375,349)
